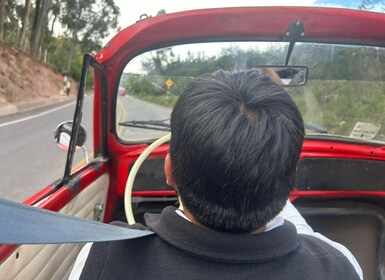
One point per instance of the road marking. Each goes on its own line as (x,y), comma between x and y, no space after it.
(37,115)
(82,162)
(121,116)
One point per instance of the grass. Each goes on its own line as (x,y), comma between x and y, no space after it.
(164,100)
(336,105)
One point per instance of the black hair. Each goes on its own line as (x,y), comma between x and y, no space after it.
(236,140)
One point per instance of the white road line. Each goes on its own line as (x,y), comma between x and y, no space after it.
(37,115)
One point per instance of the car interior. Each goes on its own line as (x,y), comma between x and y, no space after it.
(340,180)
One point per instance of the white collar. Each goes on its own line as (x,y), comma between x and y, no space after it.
(276,222)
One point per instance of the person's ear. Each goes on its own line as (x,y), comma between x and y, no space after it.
(168,171)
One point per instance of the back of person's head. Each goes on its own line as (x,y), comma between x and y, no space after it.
(236,140)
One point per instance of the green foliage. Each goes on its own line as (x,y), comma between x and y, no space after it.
(165,100)
(162,65)
(339,105)
(153,85)
(13,13)
(372,5)
(59,59)
(76,68)
(89,20)
(55,49)
(346,84)
(338,62)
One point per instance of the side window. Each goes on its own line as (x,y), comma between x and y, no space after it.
(30,158)
(77,134)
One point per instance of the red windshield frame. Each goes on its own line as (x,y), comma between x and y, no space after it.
(245,23)
(328,25)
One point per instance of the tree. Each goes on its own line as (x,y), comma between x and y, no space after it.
(10,14)
(54,13)
(25,24)
(371,4)
(88,21)
(39,26)
(2,18)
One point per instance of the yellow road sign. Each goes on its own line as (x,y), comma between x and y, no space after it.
(169,83)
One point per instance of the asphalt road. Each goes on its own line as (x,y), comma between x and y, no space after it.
(130,108)
(29,156)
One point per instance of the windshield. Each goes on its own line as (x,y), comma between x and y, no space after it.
(343,95)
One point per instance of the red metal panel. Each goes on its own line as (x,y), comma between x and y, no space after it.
(334,149)
(160,151)
(38,196)
(154,193)
(6,250)
(123,164)
(247,23)
(335,194)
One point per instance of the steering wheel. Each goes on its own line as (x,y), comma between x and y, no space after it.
(132,175)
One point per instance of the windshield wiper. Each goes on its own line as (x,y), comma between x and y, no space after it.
(316,128)
(163,126)
(150,124)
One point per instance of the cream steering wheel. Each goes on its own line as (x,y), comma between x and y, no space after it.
(132,175)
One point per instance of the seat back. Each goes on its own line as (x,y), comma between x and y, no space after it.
(359,227)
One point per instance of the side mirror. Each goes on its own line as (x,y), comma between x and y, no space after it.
(63,135)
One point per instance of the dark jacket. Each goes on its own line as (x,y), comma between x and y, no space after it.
(182,250)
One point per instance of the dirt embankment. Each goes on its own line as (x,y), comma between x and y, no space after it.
(26,83)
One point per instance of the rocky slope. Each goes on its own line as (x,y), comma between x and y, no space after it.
(26,83)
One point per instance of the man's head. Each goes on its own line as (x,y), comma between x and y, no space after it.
(236,139)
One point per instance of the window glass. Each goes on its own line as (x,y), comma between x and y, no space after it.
(340,90)
(151,82)
(29,157)
(86,152)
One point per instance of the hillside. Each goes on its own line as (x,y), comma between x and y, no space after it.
(27,83)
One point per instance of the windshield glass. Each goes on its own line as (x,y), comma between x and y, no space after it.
(342,95)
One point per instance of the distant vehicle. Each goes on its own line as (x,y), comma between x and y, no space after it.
(331,61)
(122,91)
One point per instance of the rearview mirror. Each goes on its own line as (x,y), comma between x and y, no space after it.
(286,75)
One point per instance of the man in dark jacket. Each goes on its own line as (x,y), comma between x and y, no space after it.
(236,140)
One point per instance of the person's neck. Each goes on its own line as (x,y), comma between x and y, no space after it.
(196,222)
